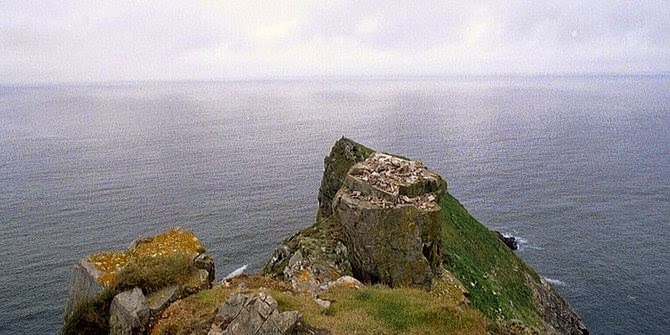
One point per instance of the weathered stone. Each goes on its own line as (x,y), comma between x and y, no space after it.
(558,316)
(253,313)
(84,286)
(392,178)
(98,271)
(388,211)
(128,312)
(397,246)
(322,303)
(206,262)
(161,299)
(344,154)
(445,284)
(311,258)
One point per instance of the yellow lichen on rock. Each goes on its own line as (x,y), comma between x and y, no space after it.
(176,240)
(108,263)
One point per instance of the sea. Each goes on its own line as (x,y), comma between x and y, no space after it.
(576,167)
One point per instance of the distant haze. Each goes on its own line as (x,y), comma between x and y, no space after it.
(82,41)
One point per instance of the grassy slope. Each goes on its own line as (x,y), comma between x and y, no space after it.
(494,275)
(370,310)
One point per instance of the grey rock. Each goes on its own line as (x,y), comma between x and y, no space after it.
(322,303)
(559,317)
(311,258)
(128,313)
(161,299)
(509,241)
(253,313)
(205,262)
(84,285)
(344,154)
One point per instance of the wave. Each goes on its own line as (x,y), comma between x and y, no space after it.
(524,244)
(554,282)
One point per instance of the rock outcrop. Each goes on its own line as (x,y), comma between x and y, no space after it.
(559,316)
(344,154)
(141,281)
(384,215)
(388,210)
(312,258)
(510,241)
(380,225)
(252,314)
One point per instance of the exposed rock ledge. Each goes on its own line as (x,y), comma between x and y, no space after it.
(382,220)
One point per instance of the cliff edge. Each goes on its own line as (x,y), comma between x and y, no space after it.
(391,252)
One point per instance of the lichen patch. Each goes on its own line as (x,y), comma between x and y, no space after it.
(176,240)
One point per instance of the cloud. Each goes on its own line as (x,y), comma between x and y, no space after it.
(56,41)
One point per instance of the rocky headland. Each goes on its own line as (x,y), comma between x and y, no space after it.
(390,252)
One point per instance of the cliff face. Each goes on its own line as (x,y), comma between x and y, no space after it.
(391,252)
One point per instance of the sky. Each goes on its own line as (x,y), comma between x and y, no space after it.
(103,41)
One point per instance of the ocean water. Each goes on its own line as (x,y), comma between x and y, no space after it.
(577,167)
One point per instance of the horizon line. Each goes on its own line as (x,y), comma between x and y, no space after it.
(296,78)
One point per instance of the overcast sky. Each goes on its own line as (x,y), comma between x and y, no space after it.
(81,41)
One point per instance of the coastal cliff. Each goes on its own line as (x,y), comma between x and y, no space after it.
(391,252)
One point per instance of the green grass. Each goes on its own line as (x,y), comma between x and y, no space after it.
(383,310)
(495,277)
(147,273)
(370,310)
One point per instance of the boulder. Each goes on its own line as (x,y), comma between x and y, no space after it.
(344,281)
(161,299)
(253,313)
(128,313)
(205,262)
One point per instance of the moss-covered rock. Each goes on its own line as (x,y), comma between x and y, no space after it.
(311,258)
(107,279)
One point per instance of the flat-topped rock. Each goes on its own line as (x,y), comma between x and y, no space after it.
(386,181)
(388,209)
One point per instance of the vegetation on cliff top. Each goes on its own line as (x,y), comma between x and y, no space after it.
(370,310)
(147,273)
(109,263)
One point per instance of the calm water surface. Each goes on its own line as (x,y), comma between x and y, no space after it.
(578,167)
